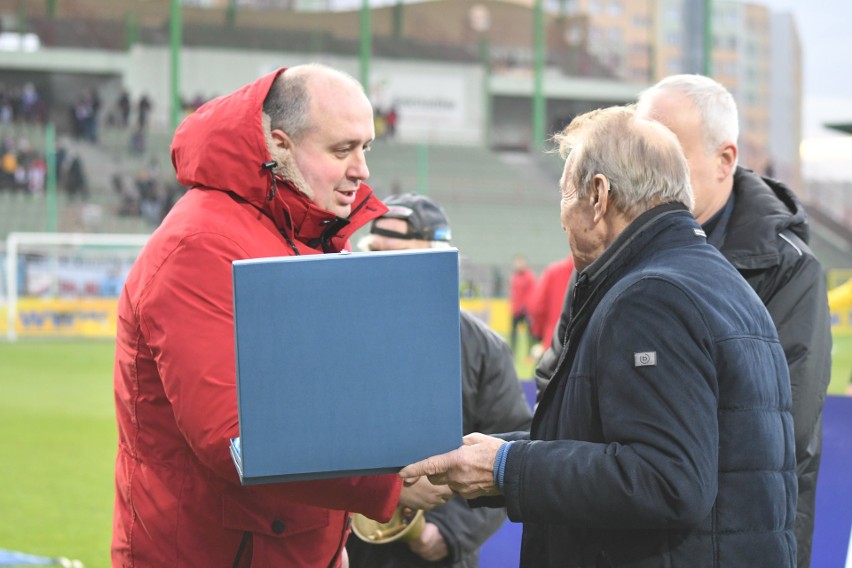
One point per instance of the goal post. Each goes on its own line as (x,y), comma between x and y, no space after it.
(65,284)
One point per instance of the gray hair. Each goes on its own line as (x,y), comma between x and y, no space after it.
(288,102)
(714,102)
(642,159)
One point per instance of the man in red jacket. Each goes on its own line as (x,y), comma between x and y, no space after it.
(545,304)
(274,169)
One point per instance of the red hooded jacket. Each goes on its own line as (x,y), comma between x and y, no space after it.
(178,500)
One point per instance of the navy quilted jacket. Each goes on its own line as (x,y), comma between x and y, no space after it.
(664,438)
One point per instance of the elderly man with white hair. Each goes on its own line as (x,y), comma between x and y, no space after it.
(664,438)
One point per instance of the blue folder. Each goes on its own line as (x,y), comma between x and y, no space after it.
(347,364)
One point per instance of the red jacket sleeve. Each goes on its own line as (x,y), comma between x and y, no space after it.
(187,320)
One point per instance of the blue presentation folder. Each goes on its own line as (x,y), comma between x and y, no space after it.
(347,364)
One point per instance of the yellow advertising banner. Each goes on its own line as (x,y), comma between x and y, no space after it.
(840,304)
(89,317)
(96,317)
(494,312)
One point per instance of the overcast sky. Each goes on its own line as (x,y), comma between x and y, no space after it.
(824,28)
(825,31)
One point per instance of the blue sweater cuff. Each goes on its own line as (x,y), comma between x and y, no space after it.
(500,464)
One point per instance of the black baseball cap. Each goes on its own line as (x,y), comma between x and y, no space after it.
(425,218)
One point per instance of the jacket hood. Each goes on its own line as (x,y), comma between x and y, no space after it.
(222,146)
(763,209)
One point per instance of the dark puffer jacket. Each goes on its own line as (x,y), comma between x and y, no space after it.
(665,437)
(766,241)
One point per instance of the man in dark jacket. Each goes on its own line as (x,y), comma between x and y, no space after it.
(664,438)
(761,228)
(492,401)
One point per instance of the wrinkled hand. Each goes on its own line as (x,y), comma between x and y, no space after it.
(430,545)
(468,470)
(421,494)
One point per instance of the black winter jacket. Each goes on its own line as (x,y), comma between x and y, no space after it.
(492,402)
(664,438)
(766,241)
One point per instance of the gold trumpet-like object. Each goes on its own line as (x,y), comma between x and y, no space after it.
(400,527)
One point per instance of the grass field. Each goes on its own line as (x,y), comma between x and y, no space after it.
(58,431)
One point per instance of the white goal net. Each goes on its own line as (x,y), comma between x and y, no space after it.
(64,284)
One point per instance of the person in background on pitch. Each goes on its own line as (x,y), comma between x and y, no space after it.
(545,304)
(492,401)
(665,436)
(521,285)
(275,169)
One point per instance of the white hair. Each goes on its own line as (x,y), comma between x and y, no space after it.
(642,159)
(713,101)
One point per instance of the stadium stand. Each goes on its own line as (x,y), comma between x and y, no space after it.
(501,203)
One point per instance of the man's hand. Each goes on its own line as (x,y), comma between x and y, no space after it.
(430,545)
(468,471)
(421,494)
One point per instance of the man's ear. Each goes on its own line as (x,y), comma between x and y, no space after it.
(281,139)
(600,195)
(727,154)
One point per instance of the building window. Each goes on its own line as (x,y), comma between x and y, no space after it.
(673,65)
(595,36)
(638,48)
(569,6)
(594,7)
(574,35)
(673,13)
(615,35)
(614,60)
(614,8)
(639,74)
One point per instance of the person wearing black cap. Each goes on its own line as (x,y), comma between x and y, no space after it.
(414,221)
(492,401)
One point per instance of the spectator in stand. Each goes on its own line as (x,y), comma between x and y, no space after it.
(75,179)
(520,287)
(545,305)
(8,165)
(83,117)
(29,103)
(390,122)
(142,114)
(92,129)
(36,175)
(124,108)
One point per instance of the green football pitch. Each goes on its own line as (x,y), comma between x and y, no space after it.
(58,431)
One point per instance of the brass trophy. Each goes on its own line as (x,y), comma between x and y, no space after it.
(402,526)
